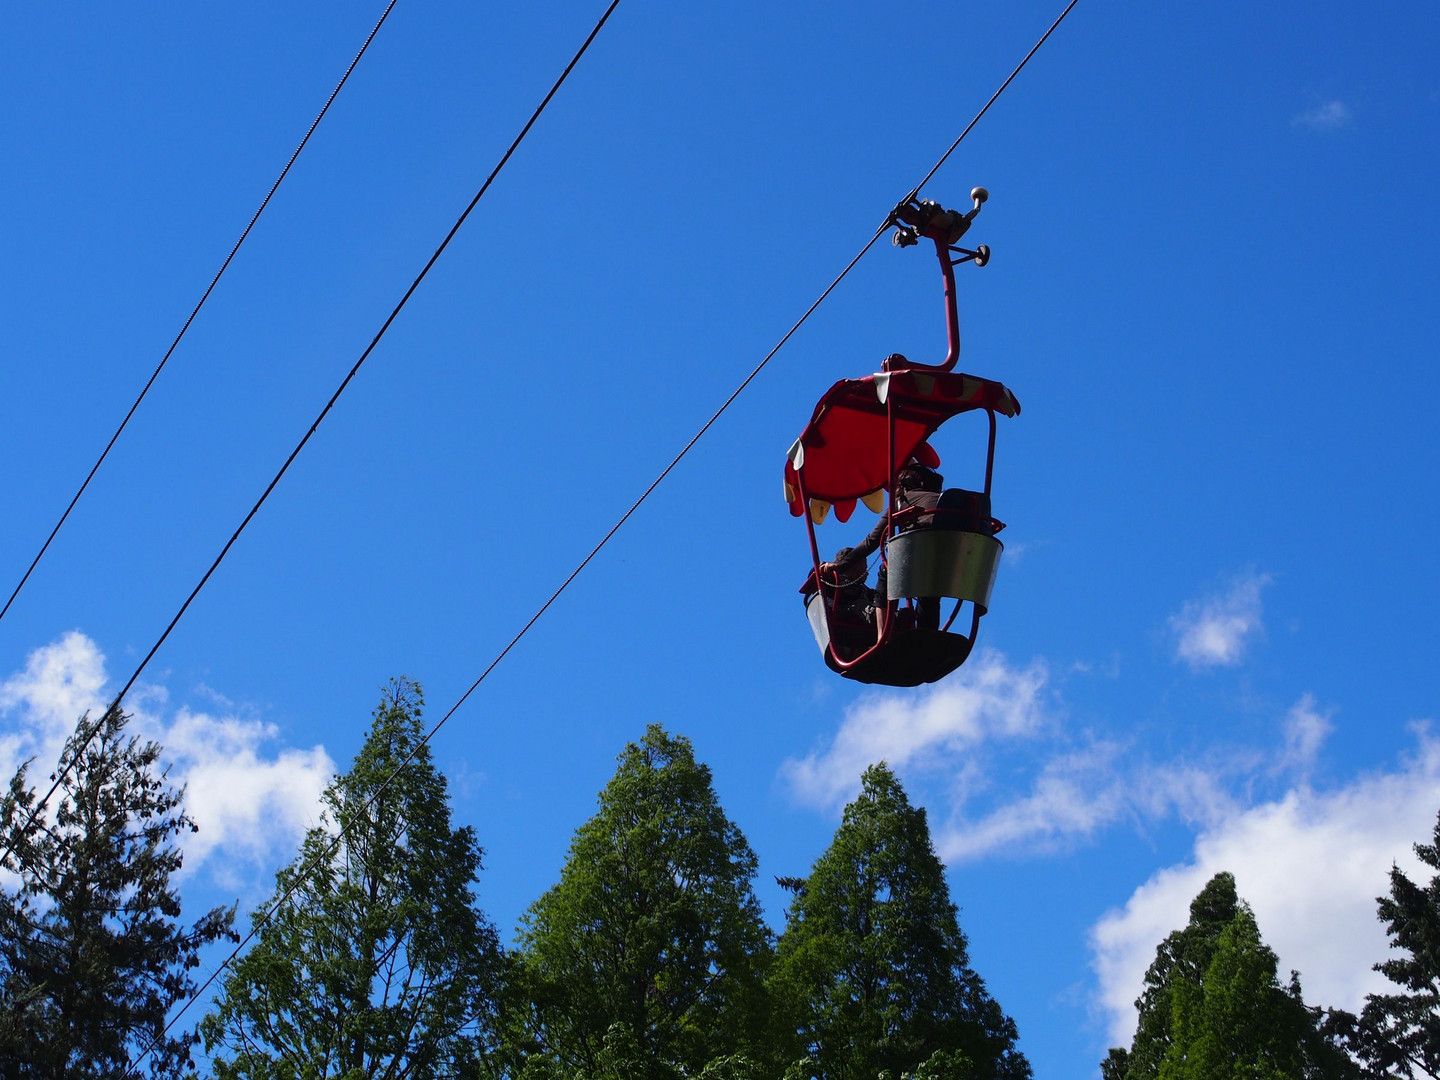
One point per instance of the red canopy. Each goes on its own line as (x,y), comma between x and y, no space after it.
(842,451)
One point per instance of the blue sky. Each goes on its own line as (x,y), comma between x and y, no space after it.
(1212,643)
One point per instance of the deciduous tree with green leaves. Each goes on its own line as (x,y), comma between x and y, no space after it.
(650,951)
(873,971)
(378,961)
(93,954)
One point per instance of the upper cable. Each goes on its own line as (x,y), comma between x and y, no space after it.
(196,309)
(64,768)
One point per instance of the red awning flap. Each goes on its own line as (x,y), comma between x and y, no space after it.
(842,451)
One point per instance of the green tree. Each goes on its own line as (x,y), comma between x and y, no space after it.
(378,961)
(1213,1007)
(1183,957)
(1237,1022)
(650,950)
(92,952)
(1398,1034)
(1116,1064)
(873,971)
(621,1058)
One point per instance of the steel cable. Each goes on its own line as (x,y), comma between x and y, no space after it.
(196,310)
(64,769)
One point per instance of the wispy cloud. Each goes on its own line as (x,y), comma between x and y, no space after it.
(1214,630)
(1073,796)
(1326,116)
(1078,794)
(247,796)
(932,729)
(970,742)
(1310,863)
(59,683)
(1306,729)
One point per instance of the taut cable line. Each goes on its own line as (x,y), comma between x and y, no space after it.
(260,920)
(196,310)
(65,767)
(993,97)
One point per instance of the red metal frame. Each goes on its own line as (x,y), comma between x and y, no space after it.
(885,627)
(943,251)
(952,310)
(827,606)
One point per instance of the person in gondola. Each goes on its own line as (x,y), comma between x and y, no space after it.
(923,489)
(854,601)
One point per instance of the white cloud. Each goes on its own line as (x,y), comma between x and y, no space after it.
(1072,796)
(244,802)
(1077,794)
(1306,729)
(953,734)
(1326,116)
(986,699)
(60,683)
(1309,860)
(1215,630)
(1310,863)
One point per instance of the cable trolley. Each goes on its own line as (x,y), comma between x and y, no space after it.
(868,442)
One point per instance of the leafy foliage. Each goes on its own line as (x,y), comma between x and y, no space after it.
(621,1058)
(873,971)
(647,958)
(92,952)
(380,962)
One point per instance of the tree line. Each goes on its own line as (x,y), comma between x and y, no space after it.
(649,958)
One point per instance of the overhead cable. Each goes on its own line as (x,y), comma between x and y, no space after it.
(196,310)
(66,766)
(259,921)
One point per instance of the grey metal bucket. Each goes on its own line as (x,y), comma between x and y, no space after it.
(815,612)
(942,562)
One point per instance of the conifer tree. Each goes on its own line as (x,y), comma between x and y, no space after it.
(1183,957)
(1399,1033)
(1213,1007)
(650,951)
(380,962)
(873,971)
(93,954)
(1237,1023)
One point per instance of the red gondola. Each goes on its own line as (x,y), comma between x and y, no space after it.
(863,432)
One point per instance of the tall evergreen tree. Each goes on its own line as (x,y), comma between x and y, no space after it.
(1399,1033)
(1183,957)
(1213,1007)
(92,951)
(873,971)
(380,962)
(1237,1023)
(651,949)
